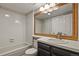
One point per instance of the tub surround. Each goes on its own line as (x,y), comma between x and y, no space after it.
(66,44)
(16,50)
(12,28)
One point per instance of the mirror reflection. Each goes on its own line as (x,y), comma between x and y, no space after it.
(55,20)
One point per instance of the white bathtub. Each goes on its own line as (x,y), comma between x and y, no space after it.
(16,50)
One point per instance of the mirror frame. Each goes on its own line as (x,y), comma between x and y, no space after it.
(74,35)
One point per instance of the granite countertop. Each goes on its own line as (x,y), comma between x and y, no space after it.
(66,44)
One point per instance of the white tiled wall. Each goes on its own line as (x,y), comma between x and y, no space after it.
(12,26)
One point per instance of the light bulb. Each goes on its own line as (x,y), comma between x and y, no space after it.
(41,9)
(52,4)
(46,6)
(55,8)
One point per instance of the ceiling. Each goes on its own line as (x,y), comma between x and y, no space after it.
(62,10)
(23,8)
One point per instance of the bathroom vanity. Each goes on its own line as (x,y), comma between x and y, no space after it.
(48,48)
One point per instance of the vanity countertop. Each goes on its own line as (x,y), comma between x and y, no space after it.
(37,36)
(65,44)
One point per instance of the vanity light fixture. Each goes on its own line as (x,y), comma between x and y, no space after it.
(41,9)
(48,8)
(55,8)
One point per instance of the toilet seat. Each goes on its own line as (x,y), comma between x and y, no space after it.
(31,51)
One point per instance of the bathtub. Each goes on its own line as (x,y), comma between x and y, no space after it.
(17,50)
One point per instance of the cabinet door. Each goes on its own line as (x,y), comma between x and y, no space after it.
(62,52)
(44,46)
(42,52)
(43,49)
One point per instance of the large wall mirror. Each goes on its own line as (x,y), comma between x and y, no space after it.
(60,18)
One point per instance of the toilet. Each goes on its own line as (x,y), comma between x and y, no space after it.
(32,51)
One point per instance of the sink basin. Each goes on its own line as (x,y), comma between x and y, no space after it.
(57,41)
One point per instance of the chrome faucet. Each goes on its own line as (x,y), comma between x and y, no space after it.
(59,34)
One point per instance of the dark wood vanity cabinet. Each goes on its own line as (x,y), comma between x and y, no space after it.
(43,49)
(48,50)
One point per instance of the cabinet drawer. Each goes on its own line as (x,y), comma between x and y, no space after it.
(43,46)
(42,52)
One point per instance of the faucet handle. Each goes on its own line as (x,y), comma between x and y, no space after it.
(59,35)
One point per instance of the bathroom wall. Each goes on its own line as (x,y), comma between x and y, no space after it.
(30,24)
(13,28)
(58,24)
